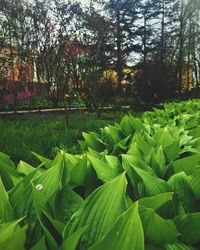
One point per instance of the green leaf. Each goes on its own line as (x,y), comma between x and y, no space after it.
(112,134)
(93,141)
(144,146)
(8,173)
(16,241)
(153,185)
(7,230)
(79,172)
(195,132)
(135,150)
(21,195)
(155,202)
(104,171)
(130,124)
(50,180)
(6,211)
(71,242)
(188,226)
(99,211)
(127,233)
(182,189)
(195,182)
(157,162)
(25,168)
(47,162)
(40,245)
(178,246)
(163,137)
(186,164)
(66,203)
(156,228)
(52,235)
(172,151)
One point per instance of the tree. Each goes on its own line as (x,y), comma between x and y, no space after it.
(122,16)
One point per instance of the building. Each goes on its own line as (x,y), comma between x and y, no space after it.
(14,69)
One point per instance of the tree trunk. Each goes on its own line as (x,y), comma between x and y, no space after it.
(180,57)
(119,52)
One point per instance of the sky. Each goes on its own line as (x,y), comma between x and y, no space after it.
(84,1)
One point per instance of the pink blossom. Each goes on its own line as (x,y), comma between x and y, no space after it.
(22,96)
(8,98)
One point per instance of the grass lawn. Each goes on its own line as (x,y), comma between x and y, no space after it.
(43,133)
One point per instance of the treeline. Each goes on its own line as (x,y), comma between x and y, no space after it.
(76,48)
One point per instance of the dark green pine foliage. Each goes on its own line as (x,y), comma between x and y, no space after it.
(158,32)
(122,15)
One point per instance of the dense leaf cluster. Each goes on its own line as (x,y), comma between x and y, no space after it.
(135,186)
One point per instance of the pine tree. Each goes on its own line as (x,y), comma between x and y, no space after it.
(122,16)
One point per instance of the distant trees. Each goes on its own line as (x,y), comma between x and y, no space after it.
(73,46)
(122,16)
(170,52)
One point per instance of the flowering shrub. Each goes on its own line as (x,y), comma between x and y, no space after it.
(23,95)
(8,98)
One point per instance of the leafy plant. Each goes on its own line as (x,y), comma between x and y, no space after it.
(134,186)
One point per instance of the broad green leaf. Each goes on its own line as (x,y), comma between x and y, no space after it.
(155,202)
(130,161)
(130,124)
(79,172)
(144,146)
(135,150)
(113,162)
(195,182)
(6,210)
(25,168)
(195,132)
(153,185)
(178,246)
(16,241)
(50,180)
(104,171)
(188,227)
(52,235)
(182,189)
(99,211)
(127,233)
(121,146)
(40,245)
(152,247)
(93,141)
(112,134)
(21,195)
(8,173)
(71,242)
(47,162)
(8,229)
(186,164)
(66,203)
(156,228)
(163,137)
(157,162)
(172,151)
(96,154)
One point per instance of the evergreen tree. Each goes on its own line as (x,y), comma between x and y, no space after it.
(122,16)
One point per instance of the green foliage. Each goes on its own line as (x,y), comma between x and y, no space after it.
(47,133)
(134,186)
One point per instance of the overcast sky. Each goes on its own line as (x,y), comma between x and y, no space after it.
(84,1)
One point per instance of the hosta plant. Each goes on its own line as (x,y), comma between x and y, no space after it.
(135,186)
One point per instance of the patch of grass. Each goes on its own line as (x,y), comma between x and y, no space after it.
(42,133)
